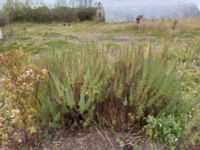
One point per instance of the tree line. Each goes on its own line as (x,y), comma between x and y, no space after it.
(41,12)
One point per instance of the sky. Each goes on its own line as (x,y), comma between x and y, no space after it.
(53,1)
(195,1)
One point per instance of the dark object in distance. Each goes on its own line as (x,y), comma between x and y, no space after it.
(3,22)
(175,23)
(139,19)
(67,24)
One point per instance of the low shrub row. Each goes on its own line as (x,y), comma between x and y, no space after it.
(46,15)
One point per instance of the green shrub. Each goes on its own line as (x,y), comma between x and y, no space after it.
(167,129)
(86,14)
(47,15)
(108,86)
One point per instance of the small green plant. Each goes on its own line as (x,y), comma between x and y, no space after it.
(166,129)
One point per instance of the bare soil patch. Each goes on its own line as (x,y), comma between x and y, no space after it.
(114,38)
(84,141)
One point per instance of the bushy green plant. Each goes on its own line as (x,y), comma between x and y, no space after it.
(108,86)
(166,129)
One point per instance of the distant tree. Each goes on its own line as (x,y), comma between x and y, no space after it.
(73,3)
(84,3)
(13,4)
(8,4)
(60,3)
(28,3)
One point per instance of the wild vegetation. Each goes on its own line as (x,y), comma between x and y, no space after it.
(116,77)
(17,11)
(46,15)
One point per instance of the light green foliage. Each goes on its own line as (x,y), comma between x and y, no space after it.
(190,72)
(166,129)
(111,85)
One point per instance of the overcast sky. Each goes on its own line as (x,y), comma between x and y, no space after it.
(53,1)
(197,2)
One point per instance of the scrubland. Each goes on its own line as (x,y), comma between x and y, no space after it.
(138,84)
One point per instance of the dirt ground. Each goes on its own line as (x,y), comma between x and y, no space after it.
(82,141)
(100,140)
(95,140)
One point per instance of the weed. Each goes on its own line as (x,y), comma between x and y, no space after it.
(167,129)
(117,86)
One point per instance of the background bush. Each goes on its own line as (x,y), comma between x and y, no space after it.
(20,11)
(46,15)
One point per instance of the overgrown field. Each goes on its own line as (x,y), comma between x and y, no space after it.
(89,76)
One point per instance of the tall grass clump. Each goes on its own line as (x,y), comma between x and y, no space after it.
(118,88)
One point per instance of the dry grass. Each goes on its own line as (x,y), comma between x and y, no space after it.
(40,37)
